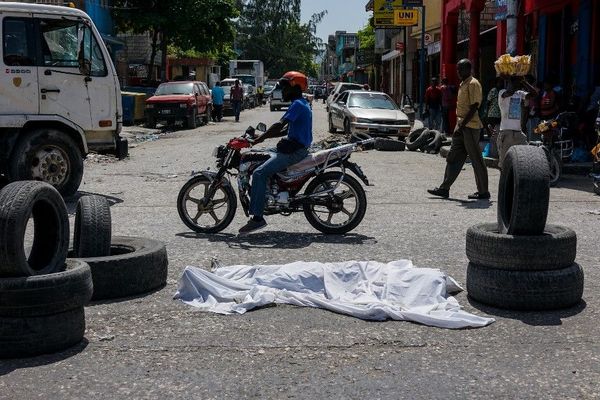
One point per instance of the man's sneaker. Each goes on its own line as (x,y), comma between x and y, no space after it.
(479,196)
(444,193)
(252,225)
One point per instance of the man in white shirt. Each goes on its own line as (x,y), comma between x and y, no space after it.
(511,101)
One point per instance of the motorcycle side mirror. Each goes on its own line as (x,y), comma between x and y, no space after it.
(261,127)
(250,132)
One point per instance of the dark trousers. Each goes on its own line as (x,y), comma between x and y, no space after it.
(237,108)
(465,144)
(218,112)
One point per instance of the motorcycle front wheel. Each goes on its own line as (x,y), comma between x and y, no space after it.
(212,217)
(337,212)
(555,161)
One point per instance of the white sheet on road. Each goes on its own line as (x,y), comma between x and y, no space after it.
(367,290)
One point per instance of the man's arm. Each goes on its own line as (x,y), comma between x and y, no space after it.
(276,130)
(532,91)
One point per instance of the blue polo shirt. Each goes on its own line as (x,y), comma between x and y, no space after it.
(218,94)
(299,116)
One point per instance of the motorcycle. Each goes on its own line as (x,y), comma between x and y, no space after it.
(555,143)
(333,202)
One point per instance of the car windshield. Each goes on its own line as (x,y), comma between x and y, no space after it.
(175,88)
(226,89)
(245,79)
(227,83)
(350,87)
(269,87)
(371,100)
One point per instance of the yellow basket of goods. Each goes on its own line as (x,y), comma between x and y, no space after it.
(506,65)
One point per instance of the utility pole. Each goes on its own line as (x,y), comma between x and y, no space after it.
(512,10)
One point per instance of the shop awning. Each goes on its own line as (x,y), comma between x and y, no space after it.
(391,55)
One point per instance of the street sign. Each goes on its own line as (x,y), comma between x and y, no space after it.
(408,17)
(428,39)
(383,12)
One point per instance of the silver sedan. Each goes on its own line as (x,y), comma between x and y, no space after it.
(374,113)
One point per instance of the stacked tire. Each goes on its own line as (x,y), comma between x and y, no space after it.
(520,262)
(42,294)
(425,140)
(120,266)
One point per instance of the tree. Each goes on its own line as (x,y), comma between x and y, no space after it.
(366,36)
(197,25)
(271,31)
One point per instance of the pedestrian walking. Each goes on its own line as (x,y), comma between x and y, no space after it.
(433,105)
(237,96)
(260,93)
(511,102)
(465,139)
(448,103)
(218,96)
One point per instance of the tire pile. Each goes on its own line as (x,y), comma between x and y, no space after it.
(42,292)
(425,140)
(520,262)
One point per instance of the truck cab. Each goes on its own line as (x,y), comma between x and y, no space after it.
(60,95)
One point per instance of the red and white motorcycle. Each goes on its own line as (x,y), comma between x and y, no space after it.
(333,201)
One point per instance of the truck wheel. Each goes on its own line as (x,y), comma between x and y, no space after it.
(151,122)
(208,115)
(50,156)
(192,120)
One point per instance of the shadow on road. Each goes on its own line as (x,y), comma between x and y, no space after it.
(71,202)
(534,318)
(279,240)
(468,204)
(10,365)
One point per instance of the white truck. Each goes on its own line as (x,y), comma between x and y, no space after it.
(59,95)
(249,72)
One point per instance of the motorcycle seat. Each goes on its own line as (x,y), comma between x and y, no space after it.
(320,157)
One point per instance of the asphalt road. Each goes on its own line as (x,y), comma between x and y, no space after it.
(153,347)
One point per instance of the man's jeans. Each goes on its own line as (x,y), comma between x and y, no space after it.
(237,108)
(261,175)
(435,118)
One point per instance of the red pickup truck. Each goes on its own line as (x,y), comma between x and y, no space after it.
(187,101)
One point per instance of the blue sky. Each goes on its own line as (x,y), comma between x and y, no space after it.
(342,15)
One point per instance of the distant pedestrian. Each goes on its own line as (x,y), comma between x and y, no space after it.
(260,93)
(549,102)
(511,101)
(465,139)
(218,95)
(492,115)
(433,105)
(448,103)
(237,97)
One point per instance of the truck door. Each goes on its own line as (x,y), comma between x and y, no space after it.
(63,89)
(18,76)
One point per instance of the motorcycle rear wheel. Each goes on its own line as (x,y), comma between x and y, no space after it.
(556,165)
(348,191)
(212,218)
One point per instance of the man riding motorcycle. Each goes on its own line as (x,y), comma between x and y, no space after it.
(290,150)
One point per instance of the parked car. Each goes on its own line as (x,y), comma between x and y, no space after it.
(374,113)
(186,101)
(276,99)
(340,88)
(269,86)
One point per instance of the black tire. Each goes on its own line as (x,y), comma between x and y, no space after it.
(523,193)
(384,144)
(556,166)
(48,155)
(47,294)
(597,187)
(357,215)
(434,142)
(32,336)
(135,266)
(188,220)
(556,248)
(332,128)
(192,121)
(525,290)
(18,202)
(417,139)
(92,227)
(150,122)
(272,108)
(347,129)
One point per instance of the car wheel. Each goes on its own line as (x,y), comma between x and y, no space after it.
(331,127)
